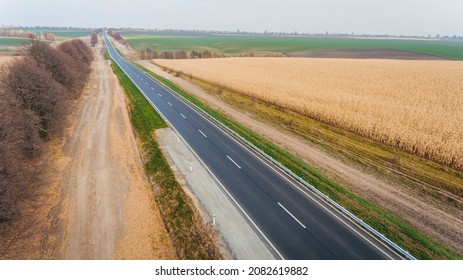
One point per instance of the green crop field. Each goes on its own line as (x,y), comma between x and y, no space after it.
(11,44)
(63,34)
(242,44)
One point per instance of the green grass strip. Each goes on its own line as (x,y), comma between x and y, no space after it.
(395,228)
(180,217)
(449,49)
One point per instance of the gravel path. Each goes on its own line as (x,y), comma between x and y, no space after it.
(109,206)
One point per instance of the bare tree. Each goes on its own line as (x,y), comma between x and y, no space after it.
(49,36)
(194,54)
(37,91)
(94,39)
(82,50)
(206,54)
(57,63)
(17,140)
(180,55)
(80,54)
(33,93)
(116,35)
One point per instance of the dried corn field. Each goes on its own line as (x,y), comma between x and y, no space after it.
(413,105)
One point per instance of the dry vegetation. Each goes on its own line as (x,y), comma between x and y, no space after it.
(411,105)
(34,91)
(5,59)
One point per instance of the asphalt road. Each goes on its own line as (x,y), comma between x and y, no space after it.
(294,222)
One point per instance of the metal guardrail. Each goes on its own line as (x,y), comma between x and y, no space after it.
(340,208)
(292,174)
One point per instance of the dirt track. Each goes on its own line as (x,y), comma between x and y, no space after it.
(96,202)
(109,205)
(436,220)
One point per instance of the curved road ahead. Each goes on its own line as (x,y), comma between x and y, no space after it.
(294,222)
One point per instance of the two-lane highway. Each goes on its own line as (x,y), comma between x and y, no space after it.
(294,222)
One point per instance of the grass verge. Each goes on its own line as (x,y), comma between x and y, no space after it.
(396,229)
(184,224)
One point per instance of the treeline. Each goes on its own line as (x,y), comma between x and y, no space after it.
(94,39)
(18,33)
(154,54)
(34,92)
(117,36)
(238,32)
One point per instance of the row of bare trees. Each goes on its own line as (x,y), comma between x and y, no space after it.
(154,54)
(17,33)
(94,39)
(34,92)
(117,36)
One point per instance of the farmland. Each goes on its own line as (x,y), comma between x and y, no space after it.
(11,44)
(413,106)
(8,44)
(64,34)
(245,44)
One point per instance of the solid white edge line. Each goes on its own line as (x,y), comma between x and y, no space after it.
(324,207)
(183,115)
(287,211)
(207,168)
(279,172)
(202,133)
(233,162)
(304,191)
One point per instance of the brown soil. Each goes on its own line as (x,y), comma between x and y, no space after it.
(365,53)
(438,221)
(105,173)
(96,202)
(4,59)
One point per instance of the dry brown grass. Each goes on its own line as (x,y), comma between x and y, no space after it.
(6,59)
(412,105)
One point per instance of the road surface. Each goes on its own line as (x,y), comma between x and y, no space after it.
(295,223)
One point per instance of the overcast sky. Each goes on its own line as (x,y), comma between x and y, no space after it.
(399,17)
